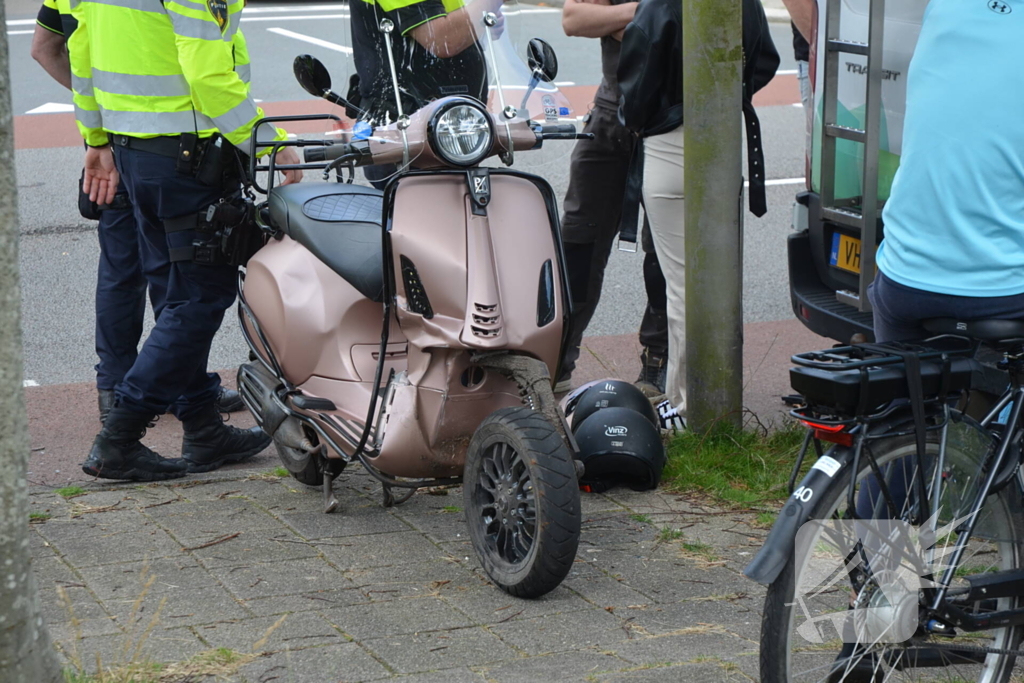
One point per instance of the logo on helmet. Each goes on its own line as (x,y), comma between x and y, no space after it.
(615,431)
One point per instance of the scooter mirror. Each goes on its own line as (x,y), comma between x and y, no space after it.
(312,75)
(541,58)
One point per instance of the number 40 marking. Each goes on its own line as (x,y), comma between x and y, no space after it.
(803,494)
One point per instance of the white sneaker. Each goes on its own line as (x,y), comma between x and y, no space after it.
(669,417)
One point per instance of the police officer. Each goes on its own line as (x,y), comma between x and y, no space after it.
(593,203)
(159,82)
(435,51)
(120,285)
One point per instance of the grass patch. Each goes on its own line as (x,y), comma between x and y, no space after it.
(39,516)
(218,664)
(642,519)
(451,508)
(667,534)
(734,466)
(701,550)
(70,491)
(280,472)
(765,520)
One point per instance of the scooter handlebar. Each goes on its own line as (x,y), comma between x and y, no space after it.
(326,153)
(563,131)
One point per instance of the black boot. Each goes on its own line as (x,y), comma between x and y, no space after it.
(106,402)
(209,443)
(229,401)
(117,452)
(653,371)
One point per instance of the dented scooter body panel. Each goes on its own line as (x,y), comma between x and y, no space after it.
(326,335)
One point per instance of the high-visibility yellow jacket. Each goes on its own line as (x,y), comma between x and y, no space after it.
(146,68)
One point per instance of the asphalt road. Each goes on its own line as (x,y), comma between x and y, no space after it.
(59,250)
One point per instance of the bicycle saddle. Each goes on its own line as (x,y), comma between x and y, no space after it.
(985,330)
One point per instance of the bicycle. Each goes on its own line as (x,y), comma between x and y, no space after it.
(898,556)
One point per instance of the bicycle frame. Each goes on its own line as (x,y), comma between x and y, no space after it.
(887,424)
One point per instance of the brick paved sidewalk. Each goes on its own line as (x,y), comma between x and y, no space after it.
(370,593)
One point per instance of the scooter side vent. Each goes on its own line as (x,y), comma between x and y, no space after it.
(414,292)
(487,321)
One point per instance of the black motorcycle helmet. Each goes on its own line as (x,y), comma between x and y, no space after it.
(612,393)
(619,446)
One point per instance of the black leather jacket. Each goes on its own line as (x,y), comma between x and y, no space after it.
(651,70)
(651,77)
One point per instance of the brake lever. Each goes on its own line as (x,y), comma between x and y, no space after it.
(337,163)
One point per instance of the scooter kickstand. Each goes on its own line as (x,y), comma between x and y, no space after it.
(330,500)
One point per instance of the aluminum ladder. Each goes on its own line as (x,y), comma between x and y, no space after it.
(862,219)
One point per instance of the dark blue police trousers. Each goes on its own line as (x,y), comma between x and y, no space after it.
(188,298)
(120,295)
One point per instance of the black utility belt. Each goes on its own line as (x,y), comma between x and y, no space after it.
(164,145)
(212,160)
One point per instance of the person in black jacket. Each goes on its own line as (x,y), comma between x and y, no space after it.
(593,201)
(651,82)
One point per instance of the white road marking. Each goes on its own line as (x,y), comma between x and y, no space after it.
(532,10)
(562,84)
(786,72)
(21,22)
(21,33)
(293,8)
(310,39)
(52,108)
(780,181)
(30,383)
(308,17)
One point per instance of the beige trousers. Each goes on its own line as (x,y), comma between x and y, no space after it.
(663,199)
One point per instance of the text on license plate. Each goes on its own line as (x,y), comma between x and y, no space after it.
(845,252)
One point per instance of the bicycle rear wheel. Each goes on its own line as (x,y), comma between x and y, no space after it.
(845,608)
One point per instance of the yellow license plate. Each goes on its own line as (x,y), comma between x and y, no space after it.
(845,252)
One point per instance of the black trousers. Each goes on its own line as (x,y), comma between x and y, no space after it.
(593,208)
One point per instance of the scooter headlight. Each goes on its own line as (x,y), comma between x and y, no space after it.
(461,133)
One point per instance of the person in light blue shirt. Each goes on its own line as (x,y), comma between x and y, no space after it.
(954,223)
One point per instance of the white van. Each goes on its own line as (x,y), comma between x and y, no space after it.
(824,257)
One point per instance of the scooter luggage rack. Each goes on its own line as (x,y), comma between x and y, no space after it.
(271,166)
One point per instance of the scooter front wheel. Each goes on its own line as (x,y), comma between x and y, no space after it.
(522,502)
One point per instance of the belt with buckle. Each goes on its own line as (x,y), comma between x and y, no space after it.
(164,145)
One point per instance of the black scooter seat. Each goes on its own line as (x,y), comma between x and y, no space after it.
(340,224)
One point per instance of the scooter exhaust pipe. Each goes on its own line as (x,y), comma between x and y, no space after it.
(258,389)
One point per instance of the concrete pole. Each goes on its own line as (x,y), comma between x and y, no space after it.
(26,655)
(712,115)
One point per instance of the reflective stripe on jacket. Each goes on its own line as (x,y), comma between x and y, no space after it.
(146,68)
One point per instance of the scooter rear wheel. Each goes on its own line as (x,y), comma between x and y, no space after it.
(522,502)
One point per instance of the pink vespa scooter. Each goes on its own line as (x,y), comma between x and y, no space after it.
(417,329)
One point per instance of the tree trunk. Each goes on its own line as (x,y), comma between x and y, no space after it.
(712,186)
(26,654)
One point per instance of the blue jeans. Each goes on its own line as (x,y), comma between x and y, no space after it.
(189,299)
(120,295)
